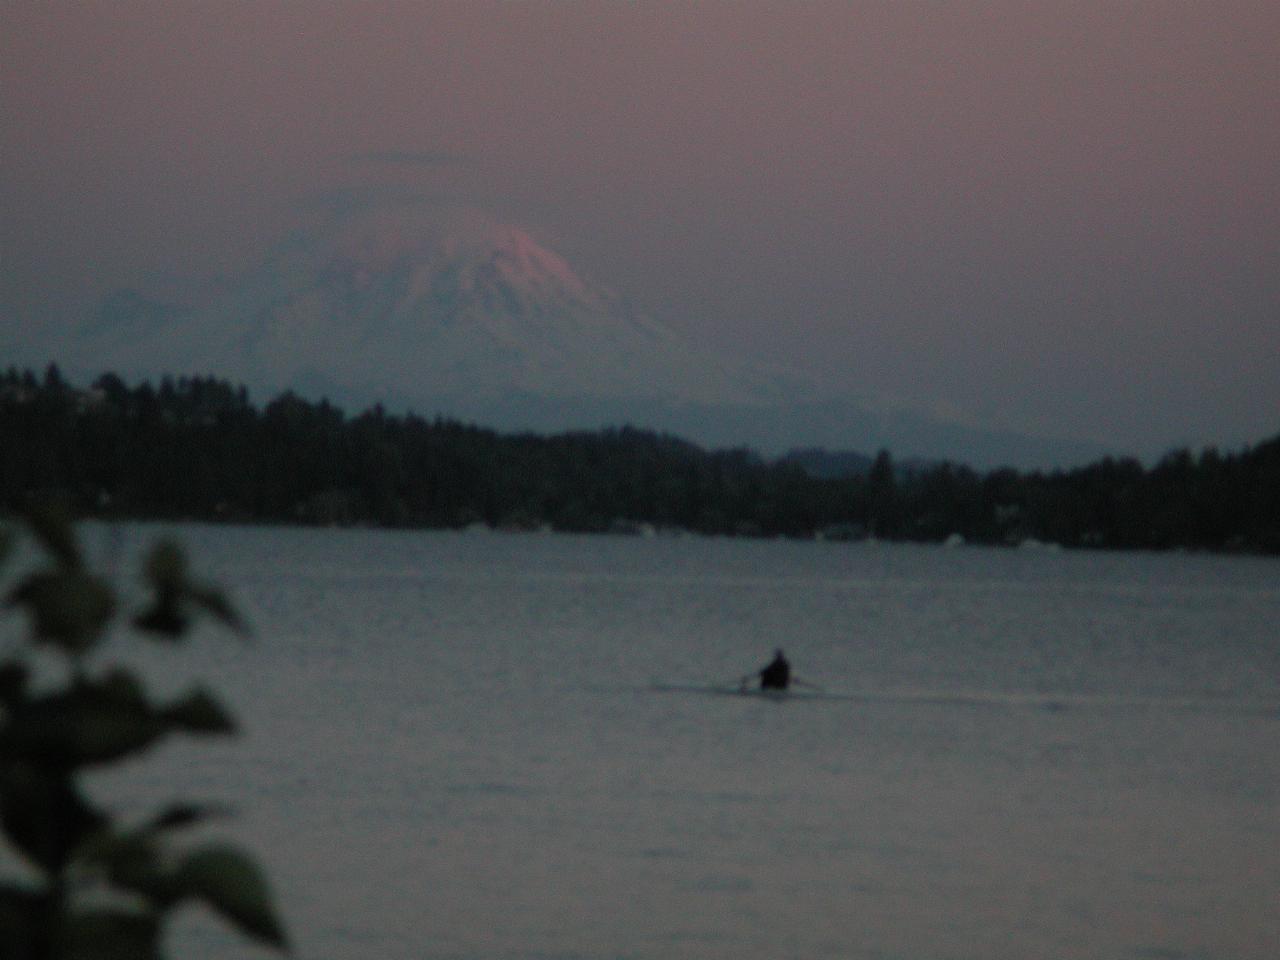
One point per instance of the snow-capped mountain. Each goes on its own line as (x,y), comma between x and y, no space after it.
(395,305)
(456,314)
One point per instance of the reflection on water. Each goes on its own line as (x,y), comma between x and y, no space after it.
(519,746)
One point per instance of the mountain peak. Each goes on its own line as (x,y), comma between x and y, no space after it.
(430,305)
(507,254)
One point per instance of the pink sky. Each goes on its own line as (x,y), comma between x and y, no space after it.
(1055,216)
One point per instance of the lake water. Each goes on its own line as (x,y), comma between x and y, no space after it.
(482,747)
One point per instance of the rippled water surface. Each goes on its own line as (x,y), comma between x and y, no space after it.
(515,746)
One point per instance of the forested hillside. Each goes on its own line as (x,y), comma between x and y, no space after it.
(199,449)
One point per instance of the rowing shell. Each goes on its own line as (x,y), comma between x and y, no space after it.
(757,692)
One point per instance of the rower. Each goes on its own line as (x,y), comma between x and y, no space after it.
(777,675)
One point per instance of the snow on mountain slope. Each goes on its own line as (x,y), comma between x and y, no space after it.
(399,303)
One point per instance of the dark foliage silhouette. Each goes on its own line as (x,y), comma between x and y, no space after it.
(86,884)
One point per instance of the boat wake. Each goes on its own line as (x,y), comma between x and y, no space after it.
(1049,702)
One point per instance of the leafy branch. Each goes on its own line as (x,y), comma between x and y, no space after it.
(94,889)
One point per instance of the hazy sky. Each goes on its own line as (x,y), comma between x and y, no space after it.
(1061,216)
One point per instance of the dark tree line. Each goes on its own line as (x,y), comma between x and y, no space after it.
(196,448)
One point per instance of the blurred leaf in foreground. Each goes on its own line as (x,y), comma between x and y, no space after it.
(67,608)
(233,885)
(89,889)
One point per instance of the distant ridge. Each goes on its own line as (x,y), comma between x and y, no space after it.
(826,464)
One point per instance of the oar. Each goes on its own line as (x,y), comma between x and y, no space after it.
(805,683)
